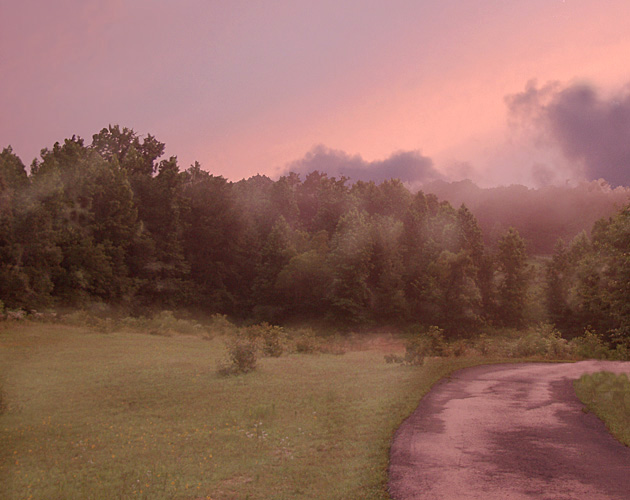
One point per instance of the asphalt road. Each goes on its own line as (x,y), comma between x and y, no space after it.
(509,432)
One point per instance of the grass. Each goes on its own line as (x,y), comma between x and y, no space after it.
(608,396)
(89,415)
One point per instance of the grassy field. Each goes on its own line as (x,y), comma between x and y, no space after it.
(88,415)
(608,396)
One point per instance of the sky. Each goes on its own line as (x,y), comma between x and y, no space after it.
(499,91)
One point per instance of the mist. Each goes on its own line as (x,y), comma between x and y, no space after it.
(590,128)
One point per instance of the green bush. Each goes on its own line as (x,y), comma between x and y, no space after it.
(306,342)
(544,341)
(165,324)
(458,348)
(271,339)
(242,356)
(429,342)
(590,345)
(220,325)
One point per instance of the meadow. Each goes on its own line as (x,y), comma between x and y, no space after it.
(88,414)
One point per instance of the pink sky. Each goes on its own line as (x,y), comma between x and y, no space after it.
(246,87)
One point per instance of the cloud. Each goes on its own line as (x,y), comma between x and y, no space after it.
(408,166)
(592,131)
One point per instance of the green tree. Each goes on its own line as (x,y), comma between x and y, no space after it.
(512,288)
(212,239)
(13,182)
(277,252)
(350,261)
(84,207)
(388,302)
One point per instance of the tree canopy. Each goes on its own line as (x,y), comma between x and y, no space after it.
(113,222)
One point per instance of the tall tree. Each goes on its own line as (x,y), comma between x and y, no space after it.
(512,288)
(212,239)
(350,261)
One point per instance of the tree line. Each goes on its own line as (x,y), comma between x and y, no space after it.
(112,222)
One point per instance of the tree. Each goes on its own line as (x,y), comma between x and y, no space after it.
(212,239)
(454,294)
(350,261)
(512,288)
(277,252)
(84,207)
(388,302)
(13,181)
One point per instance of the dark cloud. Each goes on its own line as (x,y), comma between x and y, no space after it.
(592,131)
(408,166)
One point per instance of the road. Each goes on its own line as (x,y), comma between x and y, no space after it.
(509,432)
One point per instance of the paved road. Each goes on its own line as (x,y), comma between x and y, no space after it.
(509,432)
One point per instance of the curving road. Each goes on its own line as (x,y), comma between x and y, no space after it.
(509,432)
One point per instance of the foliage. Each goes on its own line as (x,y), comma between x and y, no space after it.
(512,288)
(242,356)
(306,342)
(271,339)
(541,341)
(590,345)
(425,343)
(115,222)
(588,282)
(608,396)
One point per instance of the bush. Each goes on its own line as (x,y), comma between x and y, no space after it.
(164,323)
(306,342)
(458,348)
(241,357)
(543,340)
(590,345)
(220,325)
(394,358)
(271,339)
(429,342)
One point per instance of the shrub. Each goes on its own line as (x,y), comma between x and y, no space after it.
(393,358)
(241,357)
(306,342)
(220,325)
(590,345)
(271,339)
(429,342)
(621,340)
(458,348)
(543,340)
(16,314)
(164,323)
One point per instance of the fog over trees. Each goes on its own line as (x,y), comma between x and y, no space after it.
(113,222)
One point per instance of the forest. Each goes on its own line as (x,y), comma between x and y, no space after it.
(113,223)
